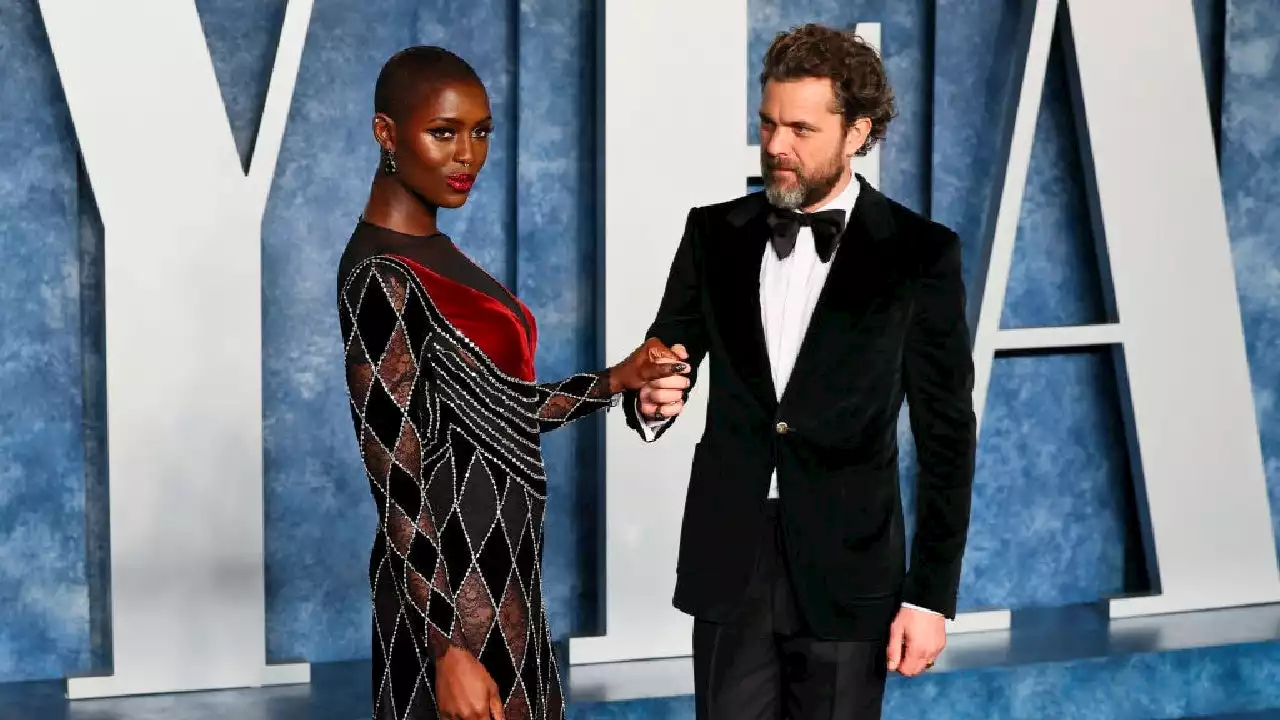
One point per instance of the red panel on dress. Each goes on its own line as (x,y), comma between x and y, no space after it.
(485,321)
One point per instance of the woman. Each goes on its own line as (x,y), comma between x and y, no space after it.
(439,359)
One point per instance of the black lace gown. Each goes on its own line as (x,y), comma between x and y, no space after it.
(439,364)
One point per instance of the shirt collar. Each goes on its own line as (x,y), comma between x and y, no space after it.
(845,200)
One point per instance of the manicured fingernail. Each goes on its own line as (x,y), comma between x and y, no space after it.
(681,367)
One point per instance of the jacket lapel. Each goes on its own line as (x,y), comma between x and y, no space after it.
(860,269)
(737,300)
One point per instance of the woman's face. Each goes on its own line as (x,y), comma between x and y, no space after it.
(441,144)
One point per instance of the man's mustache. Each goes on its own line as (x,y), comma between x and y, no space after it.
(772,163)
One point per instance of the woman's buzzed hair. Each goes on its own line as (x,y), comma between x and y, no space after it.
(407,73)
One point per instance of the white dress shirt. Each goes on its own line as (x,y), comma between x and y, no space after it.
(789,290)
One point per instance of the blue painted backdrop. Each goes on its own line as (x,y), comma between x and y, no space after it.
(1053,505)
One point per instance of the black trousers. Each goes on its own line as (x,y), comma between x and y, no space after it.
(766,665)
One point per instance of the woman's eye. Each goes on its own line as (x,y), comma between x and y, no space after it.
(482,133)
(441,133)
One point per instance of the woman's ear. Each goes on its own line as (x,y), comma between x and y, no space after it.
(384,131)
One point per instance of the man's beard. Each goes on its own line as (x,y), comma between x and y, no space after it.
(809,187)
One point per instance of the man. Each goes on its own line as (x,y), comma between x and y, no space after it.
(822,304)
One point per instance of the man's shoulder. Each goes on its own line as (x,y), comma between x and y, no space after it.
(736,211)
(915,226)
(925,239)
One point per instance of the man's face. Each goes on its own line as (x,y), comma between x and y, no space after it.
(804,144)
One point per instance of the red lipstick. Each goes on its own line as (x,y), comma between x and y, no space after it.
(461,182)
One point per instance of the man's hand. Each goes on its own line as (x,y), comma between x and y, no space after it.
(664,398)
(916,638)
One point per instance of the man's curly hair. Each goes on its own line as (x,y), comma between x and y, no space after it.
(854,68)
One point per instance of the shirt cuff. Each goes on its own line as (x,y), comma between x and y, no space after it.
(649,428)
(921,609)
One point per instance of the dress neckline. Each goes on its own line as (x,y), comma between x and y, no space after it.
(412,236)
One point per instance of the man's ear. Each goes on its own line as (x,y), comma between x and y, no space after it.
(856,136)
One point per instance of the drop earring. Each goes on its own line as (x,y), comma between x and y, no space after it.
(389,161)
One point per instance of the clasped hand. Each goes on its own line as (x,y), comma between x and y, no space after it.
(663,397)
(650,362)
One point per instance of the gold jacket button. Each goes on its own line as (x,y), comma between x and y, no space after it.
(782,428)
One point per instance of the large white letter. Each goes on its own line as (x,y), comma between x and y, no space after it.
(1159,217)
(687,91)
(183,334)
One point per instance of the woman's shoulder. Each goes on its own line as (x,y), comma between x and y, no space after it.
(368,253)
(370,266)
(361,247)
(386,273)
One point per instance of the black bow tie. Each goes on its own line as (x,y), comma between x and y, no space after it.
(826,226)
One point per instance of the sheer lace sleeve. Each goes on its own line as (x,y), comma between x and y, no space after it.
(577,396)
(386,331)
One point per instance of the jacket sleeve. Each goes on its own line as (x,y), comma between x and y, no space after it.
(938,375)
(680,319)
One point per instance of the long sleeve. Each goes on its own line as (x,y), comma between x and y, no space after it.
(386,334)
(680,320)
(575,397)
(938,373)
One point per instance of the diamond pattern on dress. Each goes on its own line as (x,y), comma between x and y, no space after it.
(409,456)
(513,600)
(450,446)
(398,369)
(376,319)
(495,562)
(359,374)
(377,460)
(406,493)
(479,497)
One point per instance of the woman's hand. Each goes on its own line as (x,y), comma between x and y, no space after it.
(650,361)
(464,689)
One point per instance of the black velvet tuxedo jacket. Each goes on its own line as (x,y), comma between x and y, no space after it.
(889,323)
